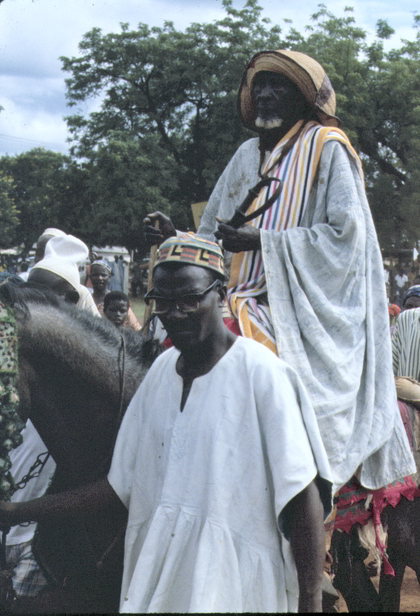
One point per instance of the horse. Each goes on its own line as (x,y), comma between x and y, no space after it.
(77,375)
(401,522)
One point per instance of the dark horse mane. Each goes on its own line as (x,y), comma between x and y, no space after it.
(77,375)
(21,297)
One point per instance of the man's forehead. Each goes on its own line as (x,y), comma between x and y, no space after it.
(118,302)
(171,276)
(270,77)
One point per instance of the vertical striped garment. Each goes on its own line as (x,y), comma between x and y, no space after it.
(247,294)
(406,345)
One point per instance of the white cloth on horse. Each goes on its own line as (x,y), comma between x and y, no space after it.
(326,293)
(205,487)
(22,458)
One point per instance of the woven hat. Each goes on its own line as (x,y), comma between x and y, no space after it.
(192,250)
(305,72)
(63,254)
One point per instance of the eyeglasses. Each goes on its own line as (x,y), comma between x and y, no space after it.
(185,303)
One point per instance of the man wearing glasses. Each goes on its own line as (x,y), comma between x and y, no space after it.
(218,450)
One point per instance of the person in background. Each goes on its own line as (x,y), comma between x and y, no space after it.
(43,239)
(88,282)
(393,310)
(100,275)
(401,281)
(406,366)
(84,301)
(116,281)
(411,298)
(24,274)
(122,266)
(117,309)
(59,270)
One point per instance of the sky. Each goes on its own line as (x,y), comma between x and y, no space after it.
(35,33)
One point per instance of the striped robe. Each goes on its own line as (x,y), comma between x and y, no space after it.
(406,345)
(328,309)
(247,293)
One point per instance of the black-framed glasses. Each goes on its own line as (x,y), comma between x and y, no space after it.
(185,303)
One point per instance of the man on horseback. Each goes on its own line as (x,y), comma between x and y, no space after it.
(306,276)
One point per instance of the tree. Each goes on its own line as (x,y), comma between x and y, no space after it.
(378,101)
(178,91)
(9,215)
(36,177)
(121,185)
(179,88)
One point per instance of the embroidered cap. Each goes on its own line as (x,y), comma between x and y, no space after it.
(192,250)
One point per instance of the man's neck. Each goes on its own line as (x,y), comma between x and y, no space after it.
(202,358)
(269,138)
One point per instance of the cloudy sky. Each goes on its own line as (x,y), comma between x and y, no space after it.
(35,33)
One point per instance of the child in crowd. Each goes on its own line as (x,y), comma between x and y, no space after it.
(116,308)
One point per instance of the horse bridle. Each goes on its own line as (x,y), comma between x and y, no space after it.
(240,217)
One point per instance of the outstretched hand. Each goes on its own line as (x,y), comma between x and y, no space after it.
(238,240)
(158,235)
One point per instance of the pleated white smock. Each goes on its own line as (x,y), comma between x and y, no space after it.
(204,487)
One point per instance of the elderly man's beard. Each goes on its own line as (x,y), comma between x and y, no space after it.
(268,123)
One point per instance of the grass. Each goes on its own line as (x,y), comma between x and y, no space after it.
(138,306)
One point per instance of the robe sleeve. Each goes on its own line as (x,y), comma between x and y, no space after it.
(289,429)
(326,293)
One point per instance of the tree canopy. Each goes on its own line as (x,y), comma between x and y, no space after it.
(168,124)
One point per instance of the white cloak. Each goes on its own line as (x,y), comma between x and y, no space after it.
(204,487)
(326,292)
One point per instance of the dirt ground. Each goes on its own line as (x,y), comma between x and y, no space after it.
(410,593)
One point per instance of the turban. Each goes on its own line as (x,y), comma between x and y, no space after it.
(192,250)
(102,263)
(63,254)
(305,72)
(411,292)
(53,232)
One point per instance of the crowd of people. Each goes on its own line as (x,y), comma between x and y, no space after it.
(279,385)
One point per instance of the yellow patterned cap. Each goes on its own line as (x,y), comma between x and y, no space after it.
(192,250)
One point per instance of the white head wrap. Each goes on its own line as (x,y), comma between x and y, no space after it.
(63,254)
(53,232)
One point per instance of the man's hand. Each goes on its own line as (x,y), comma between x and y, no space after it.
(165,229)
(238,240)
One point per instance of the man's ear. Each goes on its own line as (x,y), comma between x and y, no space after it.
(222,290)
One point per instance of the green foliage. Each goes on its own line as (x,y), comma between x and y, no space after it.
(167,123)
(9,215)
(36,179)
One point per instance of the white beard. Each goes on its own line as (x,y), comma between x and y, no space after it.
(268,124)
